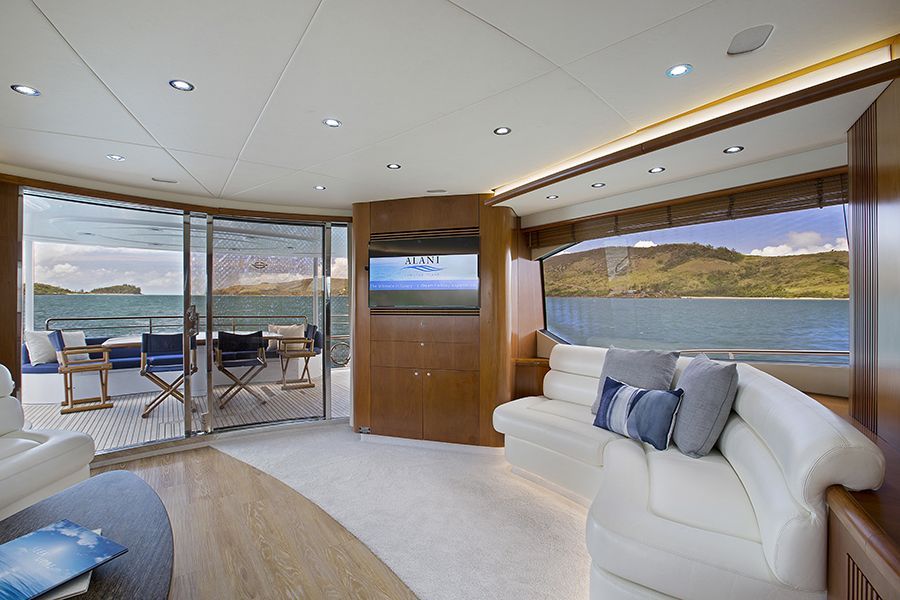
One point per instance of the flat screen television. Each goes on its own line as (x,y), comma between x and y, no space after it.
(424,273)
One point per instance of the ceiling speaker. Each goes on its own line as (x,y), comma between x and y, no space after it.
(750,39)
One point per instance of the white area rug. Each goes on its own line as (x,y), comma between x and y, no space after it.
(451,524)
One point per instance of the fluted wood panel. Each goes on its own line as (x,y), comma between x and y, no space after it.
(864,270)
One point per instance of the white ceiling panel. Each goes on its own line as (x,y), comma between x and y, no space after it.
(550,116)
(211,171)
(70,155)
(298,189)
(630,75)
(815,126)
(383,68)
(565,31)
(233,51)
(72,99)
(247,175)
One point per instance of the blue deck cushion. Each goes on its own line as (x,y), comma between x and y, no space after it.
(27,367)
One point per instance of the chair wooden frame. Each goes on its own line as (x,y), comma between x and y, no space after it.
(69,367)
(168,389)
(289,348)
(243,381)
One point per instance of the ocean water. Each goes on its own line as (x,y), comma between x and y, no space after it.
(109,305)
(681,323)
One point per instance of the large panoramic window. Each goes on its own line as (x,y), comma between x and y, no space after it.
(771,282)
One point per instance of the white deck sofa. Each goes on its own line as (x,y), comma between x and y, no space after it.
(747,521)
(35,464)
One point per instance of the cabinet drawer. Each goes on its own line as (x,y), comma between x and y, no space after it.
(450,406)
(398,354)
(397,401)
(456,357)
(412,328)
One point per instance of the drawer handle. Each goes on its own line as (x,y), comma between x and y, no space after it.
(416,373)
(421,343)
(429,374)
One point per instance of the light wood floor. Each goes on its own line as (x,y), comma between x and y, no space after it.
(122,426)
(240,533)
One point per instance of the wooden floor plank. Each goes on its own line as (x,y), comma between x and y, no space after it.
(240,533)
(123,427)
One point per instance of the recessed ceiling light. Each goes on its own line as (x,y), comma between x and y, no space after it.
(115,157)
(320,187)
(182,85)
(552,197)
(331,122)
(598,185)
(161,180)
(679,70)
(25,90)
(655,170)
(733,149)
(502,131)
(393,166)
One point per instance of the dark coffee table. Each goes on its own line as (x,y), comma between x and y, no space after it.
(129,512)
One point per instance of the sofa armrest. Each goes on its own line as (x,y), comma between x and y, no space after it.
(11,416)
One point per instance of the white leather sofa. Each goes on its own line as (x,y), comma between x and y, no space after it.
(35,464)
(747,521)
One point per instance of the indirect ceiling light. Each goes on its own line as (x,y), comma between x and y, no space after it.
(161,180)
(115,157)
(598,185)
(552,197)
(393,166)
(733,149)
(320,187)
(182,85)
(502,131)
(656,170)
(679,70)
(25,90)
(331,122)
(750,39)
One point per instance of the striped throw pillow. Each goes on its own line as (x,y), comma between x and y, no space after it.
(643,415)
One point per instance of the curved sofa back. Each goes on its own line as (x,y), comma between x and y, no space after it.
(11,416)
(786,448)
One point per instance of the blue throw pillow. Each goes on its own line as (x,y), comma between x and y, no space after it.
(643,415)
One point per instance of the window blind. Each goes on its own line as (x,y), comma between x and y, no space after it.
(737,203)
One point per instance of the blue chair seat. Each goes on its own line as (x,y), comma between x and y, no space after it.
(131,362)
(165,360)
(244,362)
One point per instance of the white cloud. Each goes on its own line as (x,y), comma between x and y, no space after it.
(802,242)
(645,244)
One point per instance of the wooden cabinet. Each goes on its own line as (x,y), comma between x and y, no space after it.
(425,377)
(450,406)
(397,401)
(425,214)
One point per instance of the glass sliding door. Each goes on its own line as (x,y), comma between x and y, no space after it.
(268,317)
(339,341)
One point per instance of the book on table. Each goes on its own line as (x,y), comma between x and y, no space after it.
(45,559)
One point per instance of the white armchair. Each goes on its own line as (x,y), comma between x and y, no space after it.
(35,464)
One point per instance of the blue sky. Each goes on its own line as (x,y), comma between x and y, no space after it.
(799,232)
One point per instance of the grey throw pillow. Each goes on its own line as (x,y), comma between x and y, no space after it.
(709,391)
(646,369)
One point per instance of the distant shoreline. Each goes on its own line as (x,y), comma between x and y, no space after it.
(698,298)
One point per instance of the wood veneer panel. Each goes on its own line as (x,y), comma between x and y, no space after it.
(397,401)
(887,156)
(450,406)
(398,354)
(360,348)
(498,230)
(529,308)
(425,214)
(10,255)
(458,357)
(414,328)
(529,380)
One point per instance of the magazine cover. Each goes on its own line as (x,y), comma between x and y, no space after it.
(43,559)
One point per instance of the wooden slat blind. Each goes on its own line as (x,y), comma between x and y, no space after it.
(814,192)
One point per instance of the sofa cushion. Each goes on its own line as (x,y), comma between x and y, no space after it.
(10,446)
(40,350)
(647,369)
(643,415)
(684,527)
(709,390)
(561,426)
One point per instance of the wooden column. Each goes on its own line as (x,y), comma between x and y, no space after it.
(10,261)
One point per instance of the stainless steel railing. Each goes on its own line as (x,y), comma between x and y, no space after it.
(732,353)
